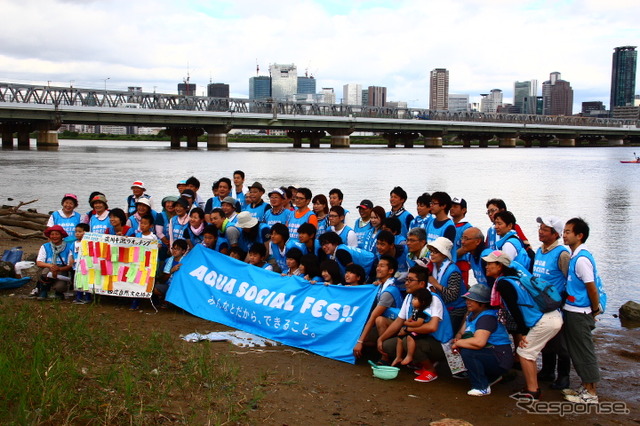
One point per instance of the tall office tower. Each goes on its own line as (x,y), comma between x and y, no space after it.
(524,96)
(187,89)
(365,96)
(439,89)
(377,96)
(557,96)
(218,90)
(623,76)
(352,94)
(306,85)
(491,101)
(329,95)
(284,80)
(459,103)
(260,87)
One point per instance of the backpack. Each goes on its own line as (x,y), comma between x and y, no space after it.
(543,293)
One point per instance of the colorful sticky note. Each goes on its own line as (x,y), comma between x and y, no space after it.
(147,258)
(91,249)
(92,276)
(85,248)
(83,266)
(114,253)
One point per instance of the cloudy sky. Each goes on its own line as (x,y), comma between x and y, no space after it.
(485,44)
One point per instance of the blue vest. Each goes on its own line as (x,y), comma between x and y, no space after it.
(433,233)
(163,220)
(460,228)
(344,233)
(370,240)
(63,256)
(360,257)
(100,226)
(546,266)
(271,219)
(576,291)
(421,222)
(245,244)
(362,232)
(67,223)
(258,211)
(295,222)
(195,239)
(499,337)
(135,222)
(476,266)
(323,225)
(444,333)
(392,311)
(527,305)
(491,237)
(221,243)
(178,229)
(405,219)
(281,257)
(450,268)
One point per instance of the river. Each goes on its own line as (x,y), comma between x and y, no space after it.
(588,181)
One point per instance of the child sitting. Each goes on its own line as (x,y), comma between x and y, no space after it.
(171,266)
(258,257)
(82,296)
(237,253)
(420,301)
(145,226)
(354,275)
(212,239)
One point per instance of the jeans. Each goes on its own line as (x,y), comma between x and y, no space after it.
(482,365)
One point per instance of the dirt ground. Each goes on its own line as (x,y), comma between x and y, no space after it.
(306,388)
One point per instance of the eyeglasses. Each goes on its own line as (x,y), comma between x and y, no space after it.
(299,198)
(492,211)
(434,203)
(411,280)
(334,216)
(412,240)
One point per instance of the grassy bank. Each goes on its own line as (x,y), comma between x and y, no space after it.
(65,364)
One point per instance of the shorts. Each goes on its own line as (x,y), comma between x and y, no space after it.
(545,329)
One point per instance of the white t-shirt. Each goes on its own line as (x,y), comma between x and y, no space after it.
(436,309)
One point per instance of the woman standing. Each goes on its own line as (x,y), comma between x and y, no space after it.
(377,217)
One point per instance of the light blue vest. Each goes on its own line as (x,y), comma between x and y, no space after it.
(546,266)
(444,333)
(576,290)
(295,222)
(67,223)
(450,268)
(499,337)
(527,305)
(100,226)
(362,232)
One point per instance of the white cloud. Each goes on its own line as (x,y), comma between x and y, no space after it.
(484,44)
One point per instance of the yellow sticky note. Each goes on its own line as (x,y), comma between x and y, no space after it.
(143,277)
(92,276)
(85,247)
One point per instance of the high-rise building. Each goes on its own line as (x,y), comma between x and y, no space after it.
(352,94)
(458,103)
(439,89)
(218,90)
(491,101)
(623,76)
(284,80)
(524,96)
(187,89)
(329,95)
(306,85)
(377,96)
(260,87)
(365,96)
(557,96)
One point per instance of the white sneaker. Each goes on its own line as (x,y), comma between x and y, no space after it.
(480,392)
(582,398)
(573,392)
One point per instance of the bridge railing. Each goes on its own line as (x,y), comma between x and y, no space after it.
(68,96)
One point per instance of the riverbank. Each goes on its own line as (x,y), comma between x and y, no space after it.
(280,385)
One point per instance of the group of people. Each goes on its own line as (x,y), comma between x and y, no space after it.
(424,266)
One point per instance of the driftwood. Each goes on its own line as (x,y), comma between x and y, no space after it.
(34,234)
(21,223)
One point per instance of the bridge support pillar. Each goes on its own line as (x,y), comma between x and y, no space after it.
(615,141)
(47,134)
(483,140)
(7,136)
(408,139)
(544,141)
(566,142)
(340,138)
(24,131)
(466,140)
(297,138)
(314,138)
(527,139)
(433,139)
(192,137)
(391,138)
(217,137)
(507,142)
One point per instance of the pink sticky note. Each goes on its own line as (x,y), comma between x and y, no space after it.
(138,276)
(136,254)
(109,267)
(83,266)
(121,273)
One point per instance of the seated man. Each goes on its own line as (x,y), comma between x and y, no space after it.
(436,329)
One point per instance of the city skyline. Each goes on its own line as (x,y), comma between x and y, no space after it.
(156,44)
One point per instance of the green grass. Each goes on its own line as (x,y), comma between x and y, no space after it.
(60,365)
